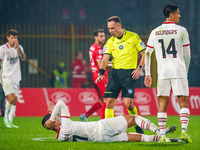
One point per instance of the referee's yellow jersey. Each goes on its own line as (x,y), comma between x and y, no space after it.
(124,50)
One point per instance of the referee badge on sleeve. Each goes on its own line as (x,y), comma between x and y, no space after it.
(142,45)
(104,50)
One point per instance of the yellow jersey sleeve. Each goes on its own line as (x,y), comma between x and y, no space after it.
(140,46)
(107,49)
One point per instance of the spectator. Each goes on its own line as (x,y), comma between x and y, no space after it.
(79,70)
(59,77)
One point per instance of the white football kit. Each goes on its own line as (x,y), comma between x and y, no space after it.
(106,130)
(172,48)
(11,72)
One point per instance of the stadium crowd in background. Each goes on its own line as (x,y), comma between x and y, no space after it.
(10,55)
(96,55)
(59,78)
(79,72)
(172,48)
(124,47)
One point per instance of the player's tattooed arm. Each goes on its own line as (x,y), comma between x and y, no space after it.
(22,55)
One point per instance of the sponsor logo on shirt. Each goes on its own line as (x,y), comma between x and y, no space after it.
(100,51)
(13,60)
(92,48)
(121,47)
(142,45)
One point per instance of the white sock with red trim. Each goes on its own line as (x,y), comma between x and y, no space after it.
(145,123)
(149,138)
(184,117)
(162,120)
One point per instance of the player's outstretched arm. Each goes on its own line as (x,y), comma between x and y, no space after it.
(103,65)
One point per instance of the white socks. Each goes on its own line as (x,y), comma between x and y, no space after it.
(184,117)
(162,119)
(149,138)
(145,123)
(9,111)
(12,112)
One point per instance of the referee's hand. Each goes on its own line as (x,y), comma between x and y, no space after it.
(136,73)
(99,78)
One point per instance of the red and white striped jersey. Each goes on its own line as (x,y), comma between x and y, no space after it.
(168,41)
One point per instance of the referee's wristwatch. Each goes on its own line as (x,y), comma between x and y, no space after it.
(140,67)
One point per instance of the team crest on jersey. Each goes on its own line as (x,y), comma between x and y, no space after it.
(92,48)
(121,47)
(100,51)
(104,49)
(142,45)
(130,91)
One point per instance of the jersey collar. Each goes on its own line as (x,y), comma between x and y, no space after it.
(7,45)
(169,22)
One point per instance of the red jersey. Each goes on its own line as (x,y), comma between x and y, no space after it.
(95,53)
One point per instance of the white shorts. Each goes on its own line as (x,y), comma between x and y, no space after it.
(114,129)
(10,87)
(178,85)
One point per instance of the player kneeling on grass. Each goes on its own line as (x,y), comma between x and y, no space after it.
(106,130)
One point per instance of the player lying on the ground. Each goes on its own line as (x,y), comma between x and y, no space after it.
(106,130)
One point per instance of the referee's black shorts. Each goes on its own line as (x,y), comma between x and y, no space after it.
(120,79)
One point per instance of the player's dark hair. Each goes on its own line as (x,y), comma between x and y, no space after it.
(115,19)
(98,31)
(46,117)
(170,8)
(12,32)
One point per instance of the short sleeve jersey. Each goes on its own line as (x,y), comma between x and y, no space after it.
(168,41)
(95,54)
(10,63)
(124,50)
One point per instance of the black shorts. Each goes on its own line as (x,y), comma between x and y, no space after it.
(120,79)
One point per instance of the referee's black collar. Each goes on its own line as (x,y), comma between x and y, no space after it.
(122,35)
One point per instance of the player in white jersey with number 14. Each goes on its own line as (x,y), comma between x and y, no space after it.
(172,48)
(11,74)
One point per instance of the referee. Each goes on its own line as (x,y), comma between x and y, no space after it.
(124,47)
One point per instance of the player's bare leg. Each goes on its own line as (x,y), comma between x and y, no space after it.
(109,111)
(184,117)
(132,110)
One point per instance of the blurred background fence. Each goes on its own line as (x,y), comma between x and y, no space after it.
(54,30)
(47,45)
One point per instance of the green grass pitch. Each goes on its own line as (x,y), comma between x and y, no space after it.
(32,136)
